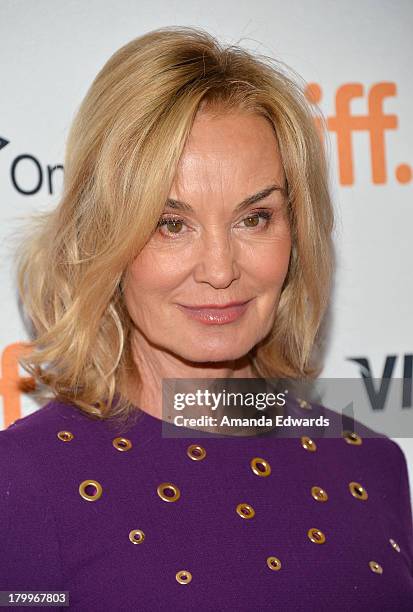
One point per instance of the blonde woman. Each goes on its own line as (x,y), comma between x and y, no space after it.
(193,240)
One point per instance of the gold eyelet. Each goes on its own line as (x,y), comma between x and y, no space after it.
(308,443)
(65,436)
(319,494)
(260,466)
(122,444)
(274,563)
(352,438)
(90,483)
(316,536)
(375,567)
(304,404)
(168,492)
(357,490)
(140,536)
(245,511)
(184,577)
(394,545)
(196,452)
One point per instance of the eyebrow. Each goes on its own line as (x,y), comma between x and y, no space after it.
(252,199)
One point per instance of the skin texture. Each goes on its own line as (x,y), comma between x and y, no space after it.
(212,255)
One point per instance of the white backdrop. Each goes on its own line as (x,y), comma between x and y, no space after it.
(359,50)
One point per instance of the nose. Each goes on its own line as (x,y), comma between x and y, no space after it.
(216,261)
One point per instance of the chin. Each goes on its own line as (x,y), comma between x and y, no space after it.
(213,354)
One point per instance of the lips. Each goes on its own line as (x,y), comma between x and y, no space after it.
(216,306)
(211,314)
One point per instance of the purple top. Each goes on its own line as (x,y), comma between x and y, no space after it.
(198,552)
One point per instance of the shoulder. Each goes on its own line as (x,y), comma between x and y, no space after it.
(349,445)
(30,433)
(354,452)
(354,447)
(26,445)
(52,413)
(54,439)
(356,433)
(33,449)
(338,425)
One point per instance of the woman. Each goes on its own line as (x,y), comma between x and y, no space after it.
(192,242)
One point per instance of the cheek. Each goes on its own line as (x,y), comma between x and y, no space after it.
(150,277)
(269,263)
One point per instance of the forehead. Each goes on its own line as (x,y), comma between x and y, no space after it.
(232,152)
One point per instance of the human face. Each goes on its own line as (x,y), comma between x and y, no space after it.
(213,253)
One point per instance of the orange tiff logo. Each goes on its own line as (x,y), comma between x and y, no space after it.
(375,122)
(11,383)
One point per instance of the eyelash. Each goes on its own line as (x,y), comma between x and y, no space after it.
(261,214)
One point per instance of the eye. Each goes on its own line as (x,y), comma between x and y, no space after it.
(174,225)
(253,220)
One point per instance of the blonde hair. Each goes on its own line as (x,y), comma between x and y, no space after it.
(121,157)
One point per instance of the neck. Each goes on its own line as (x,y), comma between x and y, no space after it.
(155,364)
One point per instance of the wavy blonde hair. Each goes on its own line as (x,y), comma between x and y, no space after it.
(121,157)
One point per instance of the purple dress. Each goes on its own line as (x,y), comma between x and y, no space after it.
(203,523)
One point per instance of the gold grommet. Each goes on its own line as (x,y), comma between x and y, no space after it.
(65,436)
(316,536)
(319,494)
(274,563)
(136,536)
(304,404)
(352,438)
(394,545)
(245,510)
(196,452)
(168,492)
(375,567)
(90,483)
(357,490)
(260,466)
(184,577)
(308,443)
(122,444)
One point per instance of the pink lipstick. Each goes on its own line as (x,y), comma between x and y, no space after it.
(211,314)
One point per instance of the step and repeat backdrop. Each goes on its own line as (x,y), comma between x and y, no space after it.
(355,58)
